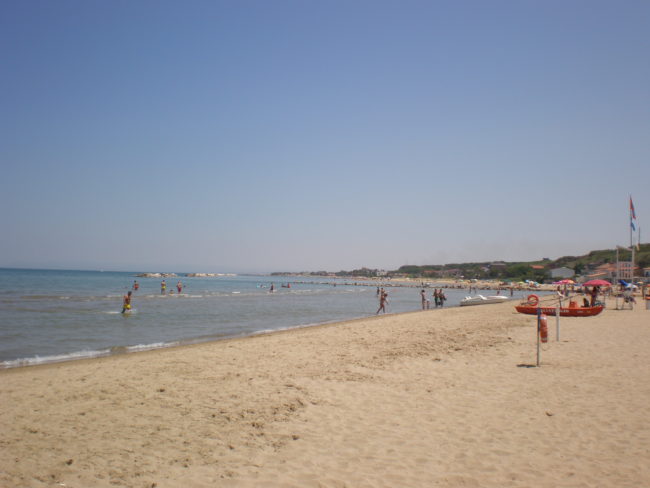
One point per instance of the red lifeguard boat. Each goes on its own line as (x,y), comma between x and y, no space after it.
(564,311)
(573,310)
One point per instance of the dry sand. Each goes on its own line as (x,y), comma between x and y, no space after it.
(427,399)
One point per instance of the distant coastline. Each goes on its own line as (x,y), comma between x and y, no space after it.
(582,267)
(187,275)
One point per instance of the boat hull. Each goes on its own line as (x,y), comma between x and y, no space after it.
(564,311)
(481,300)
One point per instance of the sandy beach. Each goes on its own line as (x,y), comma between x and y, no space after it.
(443,398)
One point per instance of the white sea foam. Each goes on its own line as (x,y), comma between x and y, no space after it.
(88,354)
(15,363)
(149,347)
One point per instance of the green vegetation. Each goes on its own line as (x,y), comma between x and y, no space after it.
(505,271)
(642,258)
(528,270)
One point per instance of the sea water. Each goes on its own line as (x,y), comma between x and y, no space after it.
(53,315)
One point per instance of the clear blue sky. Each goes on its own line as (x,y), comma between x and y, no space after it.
(304,135)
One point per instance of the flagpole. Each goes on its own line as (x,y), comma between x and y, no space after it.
(631,238)
(632,246)
(630,212)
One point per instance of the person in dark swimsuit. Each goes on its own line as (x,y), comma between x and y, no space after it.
(383,300)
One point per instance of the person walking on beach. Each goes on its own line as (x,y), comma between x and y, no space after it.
(383,300)
(126,305)
(179,287)
(163,287)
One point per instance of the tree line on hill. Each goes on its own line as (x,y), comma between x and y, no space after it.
(539,271)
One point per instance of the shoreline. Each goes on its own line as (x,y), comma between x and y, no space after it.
(414,399)
(80,319)
(117,351)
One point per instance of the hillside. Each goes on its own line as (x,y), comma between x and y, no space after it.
(510,271)
(533,270)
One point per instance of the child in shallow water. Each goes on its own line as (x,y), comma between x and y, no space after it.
(127,302)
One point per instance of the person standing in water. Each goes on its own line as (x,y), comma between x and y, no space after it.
(163,287)
(179,287)
(272,289)
(136,285)
(383,300)
(126,305)
(423,296)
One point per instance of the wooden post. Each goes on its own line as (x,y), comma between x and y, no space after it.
(557,320)
(539,349)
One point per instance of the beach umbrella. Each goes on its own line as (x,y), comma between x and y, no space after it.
(564,282)
(596,283)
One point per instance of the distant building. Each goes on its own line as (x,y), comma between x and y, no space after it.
(624,270)
(606,271)
(562,273)
(537,267)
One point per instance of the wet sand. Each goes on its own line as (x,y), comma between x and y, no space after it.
(441,398)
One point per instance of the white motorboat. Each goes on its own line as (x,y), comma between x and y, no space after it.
(481,300)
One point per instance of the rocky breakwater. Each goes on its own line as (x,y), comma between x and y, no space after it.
(156,275)
(208,275)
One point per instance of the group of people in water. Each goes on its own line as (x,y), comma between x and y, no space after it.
(126,299)
(439,298)
(126,303)
(163,287)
